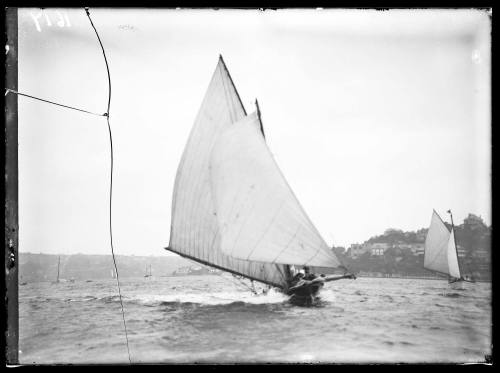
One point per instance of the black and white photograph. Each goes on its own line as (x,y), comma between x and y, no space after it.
(235,186)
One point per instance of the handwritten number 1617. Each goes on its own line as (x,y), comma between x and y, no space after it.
(61,19)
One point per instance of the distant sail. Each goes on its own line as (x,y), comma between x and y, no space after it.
(440,252)
(195,230)
(58,265)
(260,218)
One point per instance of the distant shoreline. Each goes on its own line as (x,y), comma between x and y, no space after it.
(213,274)
(402,276)
(413,278)
(35,267)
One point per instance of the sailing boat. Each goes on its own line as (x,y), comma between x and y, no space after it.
(232,207)
(441,255)
(148,274)
(58,266)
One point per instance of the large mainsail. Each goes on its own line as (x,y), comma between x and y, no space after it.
(195,230)
(260,219)
(440,251)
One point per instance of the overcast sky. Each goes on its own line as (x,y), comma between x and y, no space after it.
(375,118)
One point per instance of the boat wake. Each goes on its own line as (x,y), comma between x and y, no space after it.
(215,298)
(327,296)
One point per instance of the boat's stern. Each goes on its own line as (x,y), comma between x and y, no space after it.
(305,295)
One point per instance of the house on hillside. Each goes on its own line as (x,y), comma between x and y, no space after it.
(403,246)
(462,251)
(356,250)
(417,248)
(378,248)
(481,253)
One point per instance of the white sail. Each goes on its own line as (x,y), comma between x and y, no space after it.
(194,228)
(260,218)
(453,267)
(440,253)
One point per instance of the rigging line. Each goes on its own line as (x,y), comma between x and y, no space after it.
(288,244)
(267,230)
(111,182)
(228,279)
(252,289)
(7,90)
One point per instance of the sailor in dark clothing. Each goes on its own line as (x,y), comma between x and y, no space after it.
(307,277)
(305,286)
(304,281)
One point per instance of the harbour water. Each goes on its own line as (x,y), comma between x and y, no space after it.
(214,319)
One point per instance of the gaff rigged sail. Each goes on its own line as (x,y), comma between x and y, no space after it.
(440,251)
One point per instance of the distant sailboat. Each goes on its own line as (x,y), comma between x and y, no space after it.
(232,207)
(150,273)
(58,266)
(441,255)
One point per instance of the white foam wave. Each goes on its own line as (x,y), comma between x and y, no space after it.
(327,295)
(215,298)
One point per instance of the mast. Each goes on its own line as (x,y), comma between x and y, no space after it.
(455,241)
(58,264)
(260,118)
(288,272)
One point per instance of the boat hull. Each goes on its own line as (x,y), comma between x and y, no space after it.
(461,285)
(305,296)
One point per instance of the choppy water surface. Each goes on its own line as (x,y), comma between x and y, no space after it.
(210,319)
